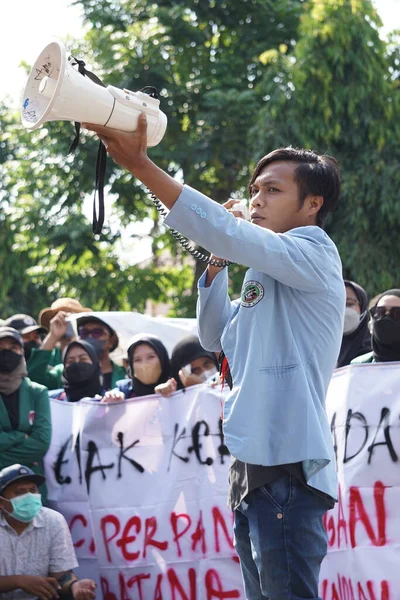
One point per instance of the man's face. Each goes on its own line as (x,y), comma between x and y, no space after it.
(11,344)
(32,336)
(97,331)
(274,202)
(202,364)
(18,488)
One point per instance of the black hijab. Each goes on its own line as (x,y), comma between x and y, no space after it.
(383,353)
(143,389)
(359,341)
(184,353)
(92,385)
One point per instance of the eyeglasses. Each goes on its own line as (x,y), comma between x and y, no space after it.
(95,333)
(350,302)
(379,312)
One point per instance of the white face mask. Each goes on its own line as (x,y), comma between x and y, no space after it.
(207,374)
(351,320)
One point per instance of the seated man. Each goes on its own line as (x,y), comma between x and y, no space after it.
(37,554)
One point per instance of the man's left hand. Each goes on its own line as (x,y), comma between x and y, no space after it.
(84,589)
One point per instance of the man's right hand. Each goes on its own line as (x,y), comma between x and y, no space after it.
(44,588)
(58,328)
(59,325)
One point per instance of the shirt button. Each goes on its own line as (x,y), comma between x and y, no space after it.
(279,516)
(198,210)
(203,215)
(194,206)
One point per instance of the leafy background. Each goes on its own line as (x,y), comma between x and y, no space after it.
(237,79)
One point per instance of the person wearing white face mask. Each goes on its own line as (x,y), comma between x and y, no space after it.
(37,553)
(356,334)
(191,365)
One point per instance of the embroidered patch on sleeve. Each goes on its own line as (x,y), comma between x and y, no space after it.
(252,293)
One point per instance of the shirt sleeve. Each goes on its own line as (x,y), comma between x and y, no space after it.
(297,258)
(214,310)
(9,439)
(39,369)
(62,553)
(35,446)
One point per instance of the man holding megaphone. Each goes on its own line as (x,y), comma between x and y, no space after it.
(280,340)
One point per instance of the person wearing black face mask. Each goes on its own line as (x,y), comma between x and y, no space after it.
(31,332)
(25,421)
(385,325)
(82,374)
(92,330)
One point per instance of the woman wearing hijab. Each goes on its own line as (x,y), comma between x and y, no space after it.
(356,334)
(25,421)
(148,367)
(81,375)
(191,365)
(385,326)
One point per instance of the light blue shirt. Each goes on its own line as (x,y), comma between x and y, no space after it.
(281,337)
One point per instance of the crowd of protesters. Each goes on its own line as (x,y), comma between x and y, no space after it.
(46,359)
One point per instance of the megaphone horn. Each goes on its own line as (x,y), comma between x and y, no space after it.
(57,91)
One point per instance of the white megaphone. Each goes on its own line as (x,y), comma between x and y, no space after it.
(56,91)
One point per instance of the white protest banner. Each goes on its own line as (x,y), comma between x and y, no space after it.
(363,406)
(157,475)
(127,324)
(66,485)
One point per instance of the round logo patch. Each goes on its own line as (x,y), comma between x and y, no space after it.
(252,293)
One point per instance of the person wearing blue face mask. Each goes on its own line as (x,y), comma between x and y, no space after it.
(41,564)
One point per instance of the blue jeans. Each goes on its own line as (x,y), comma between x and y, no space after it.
(281,540)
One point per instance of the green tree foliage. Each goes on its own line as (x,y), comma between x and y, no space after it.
(337,92)
(237,79)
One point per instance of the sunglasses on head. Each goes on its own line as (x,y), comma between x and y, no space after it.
(379,312)
(95,333)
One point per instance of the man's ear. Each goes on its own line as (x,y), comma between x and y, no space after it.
(315,203)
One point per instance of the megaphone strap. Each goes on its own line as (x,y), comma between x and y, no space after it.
(101,161)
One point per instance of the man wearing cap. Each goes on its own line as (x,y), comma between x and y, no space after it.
(49,354)
(31,332)
(37,553)
(25,421)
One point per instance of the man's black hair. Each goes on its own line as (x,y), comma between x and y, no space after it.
(315,175)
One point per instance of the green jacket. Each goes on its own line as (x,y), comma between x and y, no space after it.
(34,421)
(41,371)
(364,358)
